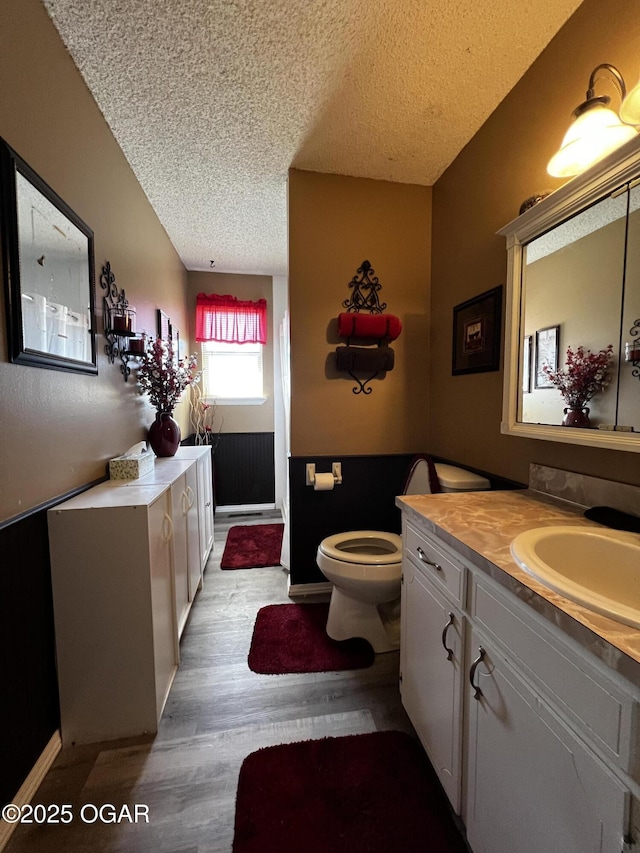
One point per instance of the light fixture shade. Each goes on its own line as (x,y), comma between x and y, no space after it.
(595,133)
(630,109)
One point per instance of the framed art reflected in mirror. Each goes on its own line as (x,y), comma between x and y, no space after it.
(546,355)
(49,275)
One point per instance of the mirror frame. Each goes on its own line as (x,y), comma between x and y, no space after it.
(10,165)
(613,172)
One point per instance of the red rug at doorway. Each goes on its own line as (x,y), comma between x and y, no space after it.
(252,546)
(292,638)
(375,792)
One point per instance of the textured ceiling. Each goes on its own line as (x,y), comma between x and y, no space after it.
(212,101)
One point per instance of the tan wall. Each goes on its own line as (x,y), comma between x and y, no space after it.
(481,191)
(58,429)
(335,223)
(254,287)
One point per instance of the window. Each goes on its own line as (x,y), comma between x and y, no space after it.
(232,373)
(232,333)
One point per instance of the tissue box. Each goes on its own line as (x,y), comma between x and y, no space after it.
(131,466)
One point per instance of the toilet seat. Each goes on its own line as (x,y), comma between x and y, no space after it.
(363,547)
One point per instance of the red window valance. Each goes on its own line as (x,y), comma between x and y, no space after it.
(230,320)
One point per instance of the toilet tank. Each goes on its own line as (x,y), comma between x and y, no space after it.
(453,479)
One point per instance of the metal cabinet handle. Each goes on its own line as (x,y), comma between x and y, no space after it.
(185,503)
(190,496)
(425,559)
(472,672)
(444,637)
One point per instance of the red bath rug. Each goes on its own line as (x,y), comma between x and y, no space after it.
(375,792)
(252,546)
(292,638)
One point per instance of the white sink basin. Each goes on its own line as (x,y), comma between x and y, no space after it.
(598,568)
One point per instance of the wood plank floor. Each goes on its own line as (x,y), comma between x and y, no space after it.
(218,712)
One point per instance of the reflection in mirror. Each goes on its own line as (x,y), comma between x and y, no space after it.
(573,262)
(629,397)
(573,279)
(49,274)
(53,252)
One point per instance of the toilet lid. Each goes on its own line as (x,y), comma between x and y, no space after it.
(366,547)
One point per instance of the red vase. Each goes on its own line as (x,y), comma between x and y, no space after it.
(164,435)
(576,416)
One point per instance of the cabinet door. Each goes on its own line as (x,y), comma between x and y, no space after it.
(179,513)
(532,786)
(165,648)
(431,664)
(205,507)
(194,560)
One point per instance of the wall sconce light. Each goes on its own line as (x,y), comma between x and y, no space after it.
(597,130)
(119,324)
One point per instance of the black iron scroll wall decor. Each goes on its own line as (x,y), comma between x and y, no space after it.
(119,324)
(373,331)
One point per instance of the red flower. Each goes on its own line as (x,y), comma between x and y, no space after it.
(585,374)
(163,377)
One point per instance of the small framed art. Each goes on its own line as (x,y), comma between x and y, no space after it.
(476,333)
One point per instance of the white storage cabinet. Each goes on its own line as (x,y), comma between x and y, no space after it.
(202,455)
(114,610)
(181,476)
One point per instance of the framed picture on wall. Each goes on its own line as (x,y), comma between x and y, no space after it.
(547,342)
(163,325)
(174,337)
(476,333)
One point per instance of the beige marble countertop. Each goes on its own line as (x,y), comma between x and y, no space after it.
(481,526)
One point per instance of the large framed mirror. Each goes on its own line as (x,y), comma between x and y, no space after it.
(573,283)
(49,274)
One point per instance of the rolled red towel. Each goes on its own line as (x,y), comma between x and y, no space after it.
(378,326)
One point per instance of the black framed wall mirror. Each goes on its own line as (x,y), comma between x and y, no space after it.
(574,265)
(49,273)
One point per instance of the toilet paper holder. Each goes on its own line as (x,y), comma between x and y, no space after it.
(336,470)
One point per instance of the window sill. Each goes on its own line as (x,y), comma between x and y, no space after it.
(236,401)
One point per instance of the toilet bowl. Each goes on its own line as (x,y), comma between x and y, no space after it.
(365,566)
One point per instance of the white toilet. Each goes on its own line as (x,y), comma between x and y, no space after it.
(364,566)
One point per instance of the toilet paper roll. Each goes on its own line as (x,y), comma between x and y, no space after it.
(323,482)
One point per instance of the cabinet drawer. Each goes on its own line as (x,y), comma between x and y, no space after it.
(435,562)
(582,691)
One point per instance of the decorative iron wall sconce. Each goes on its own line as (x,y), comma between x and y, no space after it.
(119,324)
(373,327)
(632,349)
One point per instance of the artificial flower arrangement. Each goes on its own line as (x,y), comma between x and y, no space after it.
(585,374)
(163,377)
(202,416)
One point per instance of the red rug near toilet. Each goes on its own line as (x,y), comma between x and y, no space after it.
(292,638)
(252,546)
(373,792)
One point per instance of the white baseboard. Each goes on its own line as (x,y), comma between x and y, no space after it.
(302,590)
(245,509)
(32,783)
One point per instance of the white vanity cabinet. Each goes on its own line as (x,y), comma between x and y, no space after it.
(532,784)
(114,610)
(432,649)
(540,734)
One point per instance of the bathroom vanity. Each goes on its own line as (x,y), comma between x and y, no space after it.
(526,703)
